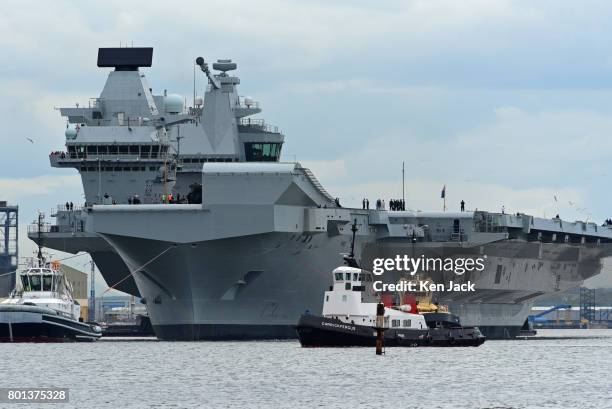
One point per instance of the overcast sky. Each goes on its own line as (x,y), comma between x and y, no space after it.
(505,102)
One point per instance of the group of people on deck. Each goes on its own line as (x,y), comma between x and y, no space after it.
(394,204)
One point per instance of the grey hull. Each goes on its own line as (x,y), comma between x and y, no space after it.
(257,286)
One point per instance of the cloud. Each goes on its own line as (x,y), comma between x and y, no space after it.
(16,190)
(518,160)
(332,170)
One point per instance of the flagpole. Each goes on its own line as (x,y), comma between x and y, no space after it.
(403,184)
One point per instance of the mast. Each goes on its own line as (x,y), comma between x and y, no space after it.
(354,230)
(403,184)
(350,259)
(91,310)
(39,241)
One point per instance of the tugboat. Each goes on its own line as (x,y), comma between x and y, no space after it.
(41,308)
(350,317)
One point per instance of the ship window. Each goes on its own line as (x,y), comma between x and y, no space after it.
(136,168)
(47,282)
(112,149)
(344,298)
(262,152)
(126,168)
(152,168)
(395,323)
(118,169)
(91,149)
(187,160)
(145,151)
(407,323)
(347,286)
(134,150)
(355,276)
(25,283)
(327,298)
(91,169)
(123,149)
(34,283)
(338,276)
(498,274)
(103,149)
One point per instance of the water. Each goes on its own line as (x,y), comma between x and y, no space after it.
(548,372)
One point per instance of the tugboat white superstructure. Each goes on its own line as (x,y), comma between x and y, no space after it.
(41,308)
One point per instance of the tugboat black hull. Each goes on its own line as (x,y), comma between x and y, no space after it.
(27,323)
(317,331)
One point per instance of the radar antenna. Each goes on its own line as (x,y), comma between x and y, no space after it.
(204,67)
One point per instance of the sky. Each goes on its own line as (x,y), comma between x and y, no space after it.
(507,103)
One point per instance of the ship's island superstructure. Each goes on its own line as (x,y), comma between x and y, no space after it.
(245,257)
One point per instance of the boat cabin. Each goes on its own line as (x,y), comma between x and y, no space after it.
(40,280)
(352,299)
(46,287)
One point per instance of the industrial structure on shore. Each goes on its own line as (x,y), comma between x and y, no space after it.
(9,247)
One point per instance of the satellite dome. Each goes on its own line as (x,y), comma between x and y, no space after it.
(173,103)
(71,133)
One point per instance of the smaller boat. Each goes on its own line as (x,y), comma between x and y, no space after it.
(351,307)
(42,309)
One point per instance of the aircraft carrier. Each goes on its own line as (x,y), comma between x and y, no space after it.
(227,242)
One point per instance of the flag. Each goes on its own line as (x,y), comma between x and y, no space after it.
(443,193)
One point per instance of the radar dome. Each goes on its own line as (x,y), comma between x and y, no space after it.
(70,133)
(173,103)
(248,101)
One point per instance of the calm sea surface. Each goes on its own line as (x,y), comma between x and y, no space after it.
(560,369)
